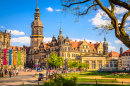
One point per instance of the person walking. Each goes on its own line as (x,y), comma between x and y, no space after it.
(86,69)
(17,72)
(49,72)
(100,71)
(13,72)
(10,73)
(5,72)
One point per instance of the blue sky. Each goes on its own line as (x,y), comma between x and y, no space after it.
(17,16)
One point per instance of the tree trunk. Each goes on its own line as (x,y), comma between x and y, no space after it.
(58,69)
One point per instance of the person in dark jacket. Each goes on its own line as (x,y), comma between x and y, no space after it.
(10,73)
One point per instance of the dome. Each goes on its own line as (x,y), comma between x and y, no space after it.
(36,23)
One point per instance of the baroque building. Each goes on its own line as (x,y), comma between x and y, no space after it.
(39,52)
(13,56)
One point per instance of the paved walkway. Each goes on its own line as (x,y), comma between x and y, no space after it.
(29,78)
(26,78)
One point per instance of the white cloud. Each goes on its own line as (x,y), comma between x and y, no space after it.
(2,26)
(57,10)
(23,40)
(15,32)
(49,9)
(111,48)
(120,10)
(47,39)
(102,18)
(99,19)
(118,41)
(128,18)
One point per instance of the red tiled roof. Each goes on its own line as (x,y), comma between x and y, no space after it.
(14,47)
(113,54)
(91,45)
(126,52)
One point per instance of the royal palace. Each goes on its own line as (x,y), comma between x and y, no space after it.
(95,54)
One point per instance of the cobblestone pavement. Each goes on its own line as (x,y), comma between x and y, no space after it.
(26,78)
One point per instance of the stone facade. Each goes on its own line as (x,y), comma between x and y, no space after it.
(39,51)
(5,44)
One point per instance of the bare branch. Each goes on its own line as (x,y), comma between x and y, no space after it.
(124,19)
(75,3)
(86,11)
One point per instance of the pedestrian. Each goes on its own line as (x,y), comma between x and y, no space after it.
(5,72)
(17,72)
(64,71)
(49,72)
(56,71)
(100,71)
(10,73)
(13,72)
(86,69)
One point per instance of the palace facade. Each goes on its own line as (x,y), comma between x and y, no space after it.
(39,52)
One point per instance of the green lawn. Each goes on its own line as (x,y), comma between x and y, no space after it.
(85,74)
(101,85)
(95,73)
(116,76)
(94,80)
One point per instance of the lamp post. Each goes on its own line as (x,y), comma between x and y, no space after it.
(66,66)
(47,67)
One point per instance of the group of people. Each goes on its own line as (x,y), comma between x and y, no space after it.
(11,72)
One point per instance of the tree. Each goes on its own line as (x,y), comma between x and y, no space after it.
(83,65)
(108,6)
(55,60)
(73,64)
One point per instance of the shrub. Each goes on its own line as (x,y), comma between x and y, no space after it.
(59,80)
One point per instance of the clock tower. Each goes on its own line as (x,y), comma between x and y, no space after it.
(37,31)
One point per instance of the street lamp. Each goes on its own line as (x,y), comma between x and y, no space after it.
(66,66)
(47,66)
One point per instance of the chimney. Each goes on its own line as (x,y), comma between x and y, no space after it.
(5,31)
(75,40)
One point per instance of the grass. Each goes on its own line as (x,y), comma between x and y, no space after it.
(101,85)
(85,74)
(116,76)
(94,80)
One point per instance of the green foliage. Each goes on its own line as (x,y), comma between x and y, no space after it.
(55,60)
(83,65)
(59,80)
(73,64)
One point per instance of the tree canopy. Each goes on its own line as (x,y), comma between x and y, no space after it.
(117,22)
(55,60)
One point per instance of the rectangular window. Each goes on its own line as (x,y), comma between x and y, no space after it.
(68,48)
(93,64)
(87,63)
(0,42)
(111,64)
(100,64)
